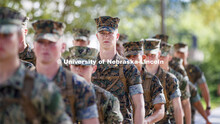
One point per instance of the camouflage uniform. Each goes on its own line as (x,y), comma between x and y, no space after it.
(169,82)
(28,55)
(81,34)
(28,65)
(177,64)
(78,96)
(122,80)
(45,97)
(27,97)
(108,104)
(153,89)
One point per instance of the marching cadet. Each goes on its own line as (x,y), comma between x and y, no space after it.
(25,52)
(195,75)
(77,94)
(119,44)
(108,104)
(169,81)
(81,37)
(122,80)
(183,83)
(153,89)
(25,97)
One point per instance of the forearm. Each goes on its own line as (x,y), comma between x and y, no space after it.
(178,113)
(156,116)
(205,94)
(200,109)
(139,115)
(187,110)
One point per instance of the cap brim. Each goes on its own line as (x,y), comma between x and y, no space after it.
(105,28)
(183,50)
(152,51)
(47,36)
(8,28)
(83,38)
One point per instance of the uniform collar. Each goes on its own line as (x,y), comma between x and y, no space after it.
(17,78)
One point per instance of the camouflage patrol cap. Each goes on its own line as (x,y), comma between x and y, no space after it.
(48,29)
(81,53)
(180,47)
(107,23)
(10,20)
(123,38)
(162,37)
(81,34)
(133,48)
(165,49)
(151,46)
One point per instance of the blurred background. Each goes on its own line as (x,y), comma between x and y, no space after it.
(195,22)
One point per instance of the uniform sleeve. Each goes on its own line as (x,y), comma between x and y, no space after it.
(202,79)
(183,88)
(194,93)
(86,107)
(174,90)
(157,95)
(133,79)
(54,108)
(114,114)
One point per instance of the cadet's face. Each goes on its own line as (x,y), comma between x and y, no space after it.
(134,58)
(107,39)
(83,71)
(165,60)
(152,57)
(47,51)
(180,55)
(80,43)
(9,45)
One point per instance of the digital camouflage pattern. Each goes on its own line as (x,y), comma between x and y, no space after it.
(108,106)
(162,37)
(153,91)
(28,55)
(45,97)
(171,90)
(177,65)
(48,29)
(183,83)
(195,74)
(133,48)
(83,53)
(84,95)
(28,65)
(151,46)
(10,20)
(107,23)
(123,38)
(109,74)
(81,34)
(165,49)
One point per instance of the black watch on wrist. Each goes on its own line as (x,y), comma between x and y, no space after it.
(208,108)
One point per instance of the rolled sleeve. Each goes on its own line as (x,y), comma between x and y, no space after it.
(89,112)
(175,94)
(195,98)
(160,98)
(201,80)
(136,89)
